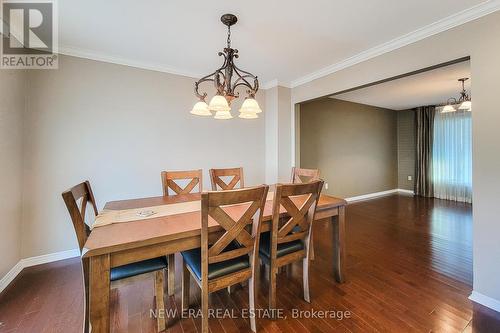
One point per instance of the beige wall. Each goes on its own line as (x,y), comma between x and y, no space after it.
(406,149)
(12,92)
(353,145)
(284,134)
(278,134)
(118,127)
(272,119)
(478,39)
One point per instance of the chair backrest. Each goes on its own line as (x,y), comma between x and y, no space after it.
(299,201)
(235,173)
(168,179)
(83,193)
(252,202)
(300,176)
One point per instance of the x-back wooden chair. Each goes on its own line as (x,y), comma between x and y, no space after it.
(217,181)
(288,241)
(230,256)
(83,193)
(300,175)
(171,186)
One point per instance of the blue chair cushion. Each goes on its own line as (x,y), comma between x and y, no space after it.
(137,268)
(192,258)
(283,248)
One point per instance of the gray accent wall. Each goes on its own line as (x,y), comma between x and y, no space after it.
(406,149)
(353,145)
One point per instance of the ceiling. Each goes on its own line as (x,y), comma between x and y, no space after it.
(428,88)
(282,41)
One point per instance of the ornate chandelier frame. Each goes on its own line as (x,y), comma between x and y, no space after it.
(223,77)
(226,80)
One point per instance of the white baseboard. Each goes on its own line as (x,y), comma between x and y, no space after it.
(485,300)
(400,190)
(377,194)
(46,258)
(11,275)
(33,261)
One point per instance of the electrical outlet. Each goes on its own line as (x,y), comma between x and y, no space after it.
(326,186)
(410,178)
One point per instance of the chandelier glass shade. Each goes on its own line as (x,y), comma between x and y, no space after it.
(201,109)
(466,105)
(226,80)
(449,108)
(218,103)
(463,103)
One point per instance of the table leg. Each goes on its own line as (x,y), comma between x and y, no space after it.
(171,274)
(99,293)
(339,244)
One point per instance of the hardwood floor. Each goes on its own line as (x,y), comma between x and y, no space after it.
(409,268)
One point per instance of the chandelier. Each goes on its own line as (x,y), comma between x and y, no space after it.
(463,103)
(226,79)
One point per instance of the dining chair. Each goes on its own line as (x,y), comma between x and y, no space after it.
(300,175)
(82,194)
(169,178)
(170,183)
(217,174)
(230,256)
(288,241)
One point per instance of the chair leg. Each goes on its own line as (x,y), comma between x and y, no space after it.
(204,310)
(305,279)
(171,274)
(311,248)
(272,286)
(257,276)
(160,299)
(86,319)
(252,286)
(185,287)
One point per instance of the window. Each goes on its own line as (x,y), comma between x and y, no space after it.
(452,156)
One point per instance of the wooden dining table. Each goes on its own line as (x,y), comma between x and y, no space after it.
(119,244)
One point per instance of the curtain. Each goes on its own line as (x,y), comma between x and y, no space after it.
(452,156)
(424,124)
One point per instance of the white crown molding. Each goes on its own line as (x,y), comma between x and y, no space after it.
(33,261)
(447,23)
(85,54)
(274,83)
(270,84)
(487,301)
(92,55)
